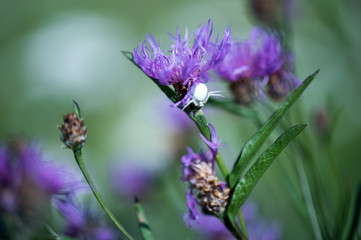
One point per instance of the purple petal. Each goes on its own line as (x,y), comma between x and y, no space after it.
(183,62)
(192,214)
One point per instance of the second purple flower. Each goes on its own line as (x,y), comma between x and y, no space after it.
(258,66)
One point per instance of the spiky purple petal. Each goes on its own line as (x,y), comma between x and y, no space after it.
(192,214)
(183,65)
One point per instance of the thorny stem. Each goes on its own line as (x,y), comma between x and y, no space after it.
(79,159)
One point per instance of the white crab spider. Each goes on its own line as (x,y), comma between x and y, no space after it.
(200,95)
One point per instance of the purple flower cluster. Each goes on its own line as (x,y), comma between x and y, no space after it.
(24,172)
(28,182)
(81,223)
(257,65)
(184,65)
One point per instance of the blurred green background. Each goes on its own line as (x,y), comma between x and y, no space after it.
(54,51)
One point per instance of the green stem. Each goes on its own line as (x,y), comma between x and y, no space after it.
(79,159)
(243,223)
(303,179)
(52,232)
(309,201)
(356,212)
(222,166)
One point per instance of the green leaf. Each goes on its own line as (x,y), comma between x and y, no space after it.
(53,234)
(142,221)
(166,89)
(353,221)
(253,145)
(202,124)
(128,55)
(76,109)
(244,187)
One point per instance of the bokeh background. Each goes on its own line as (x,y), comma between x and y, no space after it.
(52,52)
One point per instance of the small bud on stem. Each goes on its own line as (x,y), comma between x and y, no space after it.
(74,133)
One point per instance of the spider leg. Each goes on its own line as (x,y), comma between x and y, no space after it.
(191,101)
(213,94)
(216,92)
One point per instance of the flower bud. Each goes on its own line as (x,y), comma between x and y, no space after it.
(323,123)
(74,133)
(266,11)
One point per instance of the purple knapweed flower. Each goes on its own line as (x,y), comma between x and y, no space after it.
(205,189)
(257,65)
(258,228)
(24,173)
(82,224)
(184,66)
(52,178)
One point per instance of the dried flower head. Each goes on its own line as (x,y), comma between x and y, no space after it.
(74,132)
(184,65)
(211,193)
(205,188)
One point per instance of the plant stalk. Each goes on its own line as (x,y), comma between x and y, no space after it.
(79,159)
